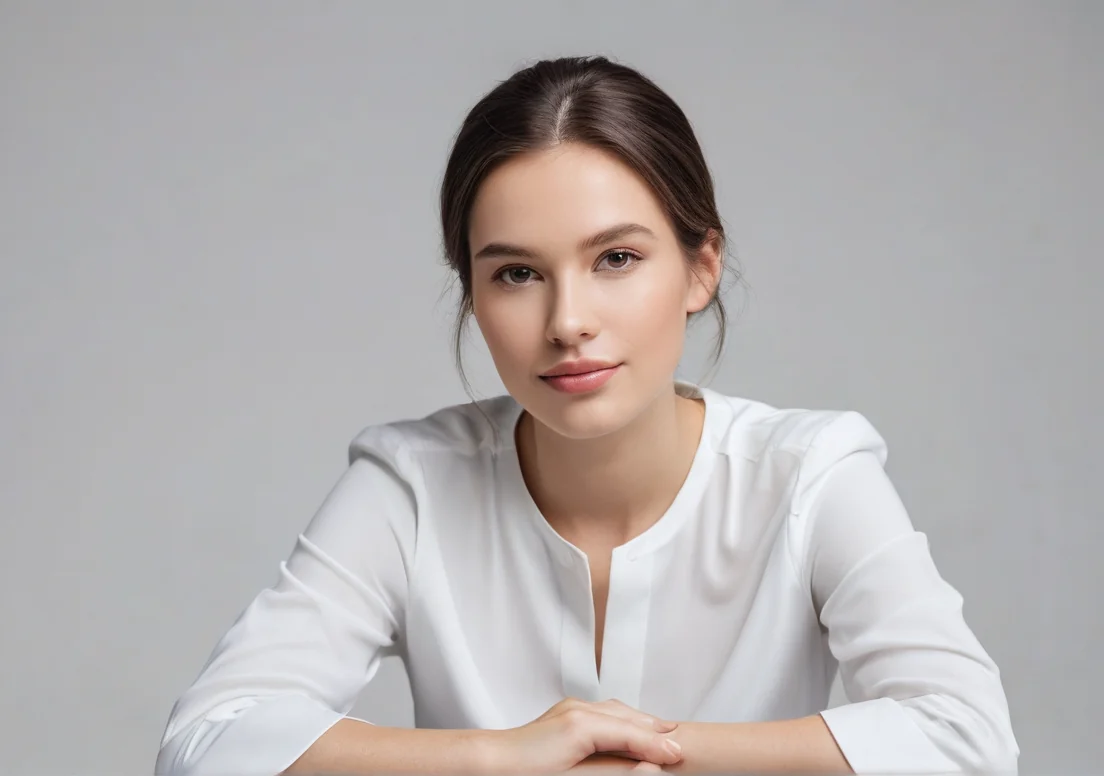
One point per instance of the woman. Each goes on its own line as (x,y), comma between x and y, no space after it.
(607,566)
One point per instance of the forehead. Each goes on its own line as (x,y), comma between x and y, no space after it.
(556,196)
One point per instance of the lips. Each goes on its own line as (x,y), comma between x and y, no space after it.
(580,376)
(580,367)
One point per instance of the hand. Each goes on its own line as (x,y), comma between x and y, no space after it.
(605,764)
(573,731)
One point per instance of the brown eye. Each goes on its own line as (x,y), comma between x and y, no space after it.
(618,260)
(515,276)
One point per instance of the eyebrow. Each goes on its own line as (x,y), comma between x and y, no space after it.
(618,232)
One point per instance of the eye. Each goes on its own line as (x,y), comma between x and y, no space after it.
(514,276)
(618,261)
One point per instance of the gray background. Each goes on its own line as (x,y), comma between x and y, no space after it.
(221,260)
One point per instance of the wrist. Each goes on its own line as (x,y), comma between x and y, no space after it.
(482,753)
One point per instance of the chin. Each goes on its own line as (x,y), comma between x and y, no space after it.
(583,416)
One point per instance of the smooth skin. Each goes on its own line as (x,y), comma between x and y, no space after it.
(574,258)
(572,735)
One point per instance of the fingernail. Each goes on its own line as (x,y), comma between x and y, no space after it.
(673,746)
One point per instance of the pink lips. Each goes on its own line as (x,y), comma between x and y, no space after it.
(580,377)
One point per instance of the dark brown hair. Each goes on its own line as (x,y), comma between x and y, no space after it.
(596,102)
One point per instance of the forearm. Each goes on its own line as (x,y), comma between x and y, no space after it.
(353,747)
(795,746)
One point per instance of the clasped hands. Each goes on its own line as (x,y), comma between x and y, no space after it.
(581,736)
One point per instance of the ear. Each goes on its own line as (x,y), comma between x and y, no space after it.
(705,273)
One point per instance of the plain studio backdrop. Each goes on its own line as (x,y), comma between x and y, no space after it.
(221,260)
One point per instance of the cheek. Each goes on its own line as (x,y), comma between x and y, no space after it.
(506,326)
(657,313)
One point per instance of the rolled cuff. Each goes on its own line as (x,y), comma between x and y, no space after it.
(878,736)
(263,740)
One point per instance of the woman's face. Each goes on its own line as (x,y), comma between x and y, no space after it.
(580,288)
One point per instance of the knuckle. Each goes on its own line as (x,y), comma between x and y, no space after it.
(575,719)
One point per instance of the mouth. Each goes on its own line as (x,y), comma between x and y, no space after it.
(580,377)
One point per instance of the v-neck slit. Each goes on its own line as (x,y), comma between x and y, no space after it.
(632,564)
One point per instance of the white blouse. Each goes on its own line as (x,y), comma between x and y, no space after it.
(786,554)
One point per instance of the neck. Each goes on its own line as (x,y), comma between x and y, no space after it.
(614,487)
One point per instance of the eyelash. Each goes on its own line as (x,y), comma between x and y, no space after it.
(500,276)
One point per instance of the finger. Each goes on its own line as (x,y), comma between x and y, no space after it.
(565,705)
(634,759)
(604,768)
(598,732)
(611,758)
(624,711)
(648,767)
(608,763)
(614,708)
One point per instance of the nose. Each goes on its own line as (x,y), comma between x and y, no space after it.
(572,318)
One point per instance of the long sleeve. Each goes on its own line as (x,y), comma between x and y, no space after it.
(924,695)
(296,658)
